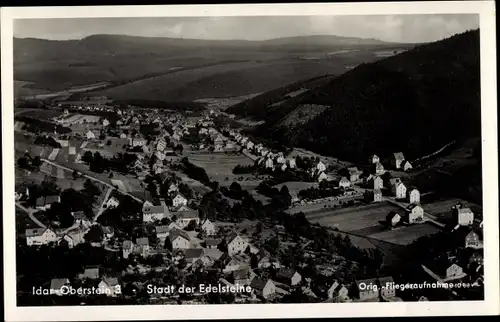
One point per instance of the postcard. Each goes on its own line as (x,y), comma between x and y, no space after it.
(250,161)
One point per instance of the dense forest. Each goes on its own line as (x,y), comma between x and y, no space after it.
(415,102)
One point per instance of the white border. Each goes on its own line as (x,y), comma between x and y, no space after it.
(490,305)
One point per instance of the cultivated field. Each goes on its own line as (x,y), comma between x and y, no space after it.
(352,219)
(442,208)
(406,235)
(224,80)
(219,167)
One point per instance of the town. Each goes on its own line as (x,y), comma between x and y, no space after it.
(123,198)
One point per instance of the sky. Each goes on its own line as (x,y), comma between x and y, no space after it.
(392,28)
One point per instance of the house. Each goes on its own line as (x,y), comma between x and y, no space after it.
(179,200)
(162,232)
(160,155)
(191,255)
(281,160)
(236,244)
(264,288)
(367,289)
(44,203)
(81,219)
(378,182)
(373,195)
(153,213)
(90,135)
(173,188)
(40,236)
(179,239)
(414,214)
(108,232)
(354,174)
(269,163)
(105,122)
(292,163)
(90,273)
(242,277)
(462,215)
(374,159)
(399,190)
(161,145)
(450,272)
(56,285)
(406,165)
(288,276)
(138,141)
(66,240)
(414,196)
(142,246)
(211,243)
(320,167)
(127,248)
(208,227)
(21,192)
(146,204)
(386,287)
(110,286)
(250,145)
(322,176)
(397,160)
(184,218)
(338,291)
(473,240)
(344,183)
(392,219)
(379,168)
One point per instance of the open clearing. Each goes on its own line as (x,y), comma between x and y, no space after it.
(353,218)
(406,235)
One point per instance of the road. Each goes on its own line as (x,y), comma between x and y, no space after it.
(30,213)
(93,179)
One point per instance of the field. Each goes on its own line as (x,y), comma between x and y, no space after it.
(442,208)
(367,221)
(353,219)
(224,80)
(219,166)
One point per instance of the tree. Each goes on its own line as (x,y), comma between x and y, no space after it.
(75,175)
(23,163)
(95,234)
(87,157)
(36,162)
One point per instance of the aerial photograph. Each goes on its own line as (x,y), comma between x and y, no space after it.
(256,159)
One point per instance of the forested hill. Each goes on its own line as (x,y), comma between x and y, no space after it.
(413,102)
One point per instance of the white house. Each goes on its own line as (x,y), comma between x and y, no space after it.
(320,167)
(338,291)
(398,188)
(127,248)
(105,122)
(393,219)
(179,200)
(414,196)
(397,160)
(40,236)
(269,163)
(90,135)
(374,159)
(344,183)
(184,218)
(406,165)
(322,176)
(281,160)
(179,239)
(464,216)
(112,203)
(110,286)
(291,163)
(379,168)
(378,182)
(288,276)
(173,188)
(414,213)
(152,213)
(264,288)
(236,245)
(208,227)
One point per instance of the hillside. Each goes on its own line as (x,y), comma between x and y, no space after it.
(57,65)
(414,102)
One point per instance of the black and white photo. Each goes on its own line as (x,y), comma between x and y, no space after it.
(170,156)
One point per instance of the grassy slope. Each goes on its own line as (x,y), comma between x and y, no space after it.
(414,102)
